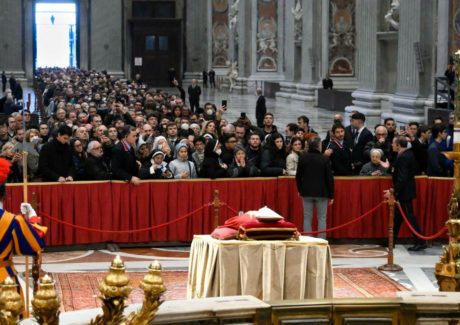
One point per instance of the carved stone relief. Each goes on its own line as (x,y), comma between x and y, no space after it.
(267,35)
(297,13)
(342,34)
(220,33)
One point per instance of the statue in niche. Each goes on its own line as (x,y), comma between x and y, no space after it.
(266,37)
(233,15)
(232,74)
(392,16)
(297,12)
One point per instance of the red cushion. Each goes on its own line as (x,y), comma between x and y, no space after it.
(236,222)
(259,230)
(224,233)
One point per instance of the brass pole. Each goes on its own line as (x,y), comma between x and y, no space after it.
(216,203)
(25,195)
(36,260)
(390,266)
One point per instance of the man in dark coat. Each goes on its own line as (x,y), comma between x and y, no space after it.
(315,184)
(404,187)
(124,165)
(261,109)
(212,78)
(194,92)
(3,81)
(361,136)
(55,161)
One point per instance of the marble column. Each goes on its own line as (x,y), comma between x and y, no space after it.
(366,98)
(415,61)
(442,49)
(288,86)
(11,38)
(107,36)
(311,50)
(244,46)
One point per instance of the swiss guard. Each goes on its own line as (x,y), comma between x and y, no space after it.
(19,234)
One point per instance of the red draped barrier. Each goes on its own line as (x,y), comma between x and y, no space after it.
(121,206)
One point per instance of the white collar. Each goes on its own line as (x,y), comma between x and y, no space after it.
(1,205)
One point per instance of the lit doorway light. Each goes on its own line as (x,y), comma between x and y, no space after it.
(56,31)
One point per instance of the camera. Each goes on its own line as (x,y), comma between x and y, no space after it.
(243,115)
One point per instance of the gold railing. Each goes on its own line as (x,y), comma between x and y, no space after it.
(114,289)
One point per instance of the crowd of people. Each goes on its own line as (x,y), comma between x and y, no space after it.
(98,128)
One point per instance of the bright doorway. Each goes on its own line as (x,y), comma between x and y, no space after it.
(55,34)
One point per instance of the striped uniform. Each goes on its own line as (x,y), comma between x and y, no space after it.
(17,237)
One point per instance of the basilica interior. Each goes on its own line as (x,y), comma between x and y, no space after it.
(386,59)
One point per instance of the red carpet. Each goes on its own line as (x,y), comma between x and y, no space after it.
(80,290)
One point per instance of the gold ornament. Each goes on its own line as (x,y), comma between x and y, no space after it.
(153,287)
(447,270)
(46,302)
(11,304)
(115,289)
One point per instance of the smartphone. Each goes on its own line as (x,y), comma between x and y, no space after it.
(243,115)
(402,128)
(106,133)
(224,102)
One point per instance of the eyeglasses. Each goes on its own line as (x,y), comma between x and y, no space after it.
(97,148)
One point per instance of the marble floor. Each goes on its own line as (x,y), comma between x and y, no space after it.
(285,111)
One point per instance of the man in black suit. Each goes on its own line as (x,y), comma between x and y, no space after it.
(361,136)
(315,184)
(194,93)
(261,109)
(339,152)
(125,167)
(404,170)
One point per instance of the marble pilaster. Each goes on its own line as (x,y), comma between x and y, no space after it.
(84,33)
(197,38)
(11,37)
(107,36)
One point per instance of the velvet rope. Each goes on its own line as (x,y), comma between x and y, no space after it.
(124,231)
(434,236)
(368,213)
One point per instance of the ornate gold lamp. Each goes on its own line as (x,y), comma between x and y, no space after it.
(447,270)
(11,304)
(46,302)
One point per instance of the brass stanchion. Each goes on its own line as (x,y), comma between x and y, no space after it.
(390,266)
(216,204)
(36,260)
